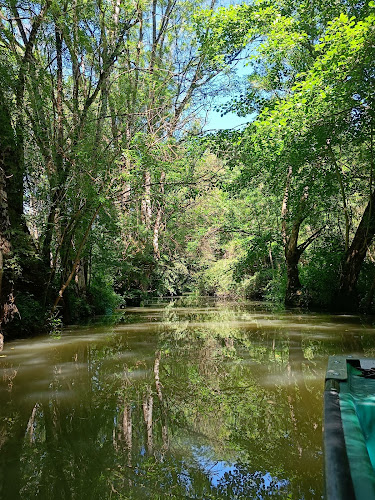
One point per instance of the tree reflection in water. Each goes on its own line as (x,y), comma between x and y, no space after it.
(183,402)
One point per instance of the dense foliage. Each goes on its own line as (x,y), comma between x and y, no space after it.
(110,192)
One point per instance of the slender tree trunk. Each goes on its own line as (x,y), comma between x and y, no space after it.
(343,194)
(77,259)
(80,278)
(292,255)
(46,249)
(290,228)
(293,292)
(369,298)
(146,211)
(159,219)
(155,239)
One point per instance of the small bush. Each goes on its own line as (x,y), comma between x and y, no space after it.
(103,299)
(31,317)
(275,289)
(320,272)
(257,285)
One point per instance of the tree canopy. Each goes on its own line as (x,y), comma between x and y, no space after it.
(111,191)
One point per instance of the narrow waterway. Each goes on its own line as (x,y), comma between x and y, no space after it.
(176,400)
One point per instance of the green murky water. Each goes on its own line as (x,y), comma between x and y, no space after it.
(176,401)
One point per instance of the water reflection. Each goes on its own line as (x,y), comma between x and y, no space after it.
(222,401)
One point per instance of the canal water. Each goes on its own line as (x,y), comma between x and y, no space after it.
(173,400)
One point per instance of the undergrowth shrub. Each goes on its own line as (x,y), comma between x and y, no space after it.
(103,298)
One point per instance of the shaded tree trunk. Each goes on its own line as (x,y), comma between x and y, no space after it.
(11,210)
(158,220)
(292,254)
(14,233)
(293,251)
(12,170)
(146,211)
(4,229)
(293,292)
(347,298)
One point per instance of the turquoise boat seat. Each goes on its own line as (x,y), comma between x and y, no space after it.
(357,404)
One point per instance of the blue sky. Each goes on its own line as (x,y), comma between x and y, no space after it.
(235,84)
(230,120)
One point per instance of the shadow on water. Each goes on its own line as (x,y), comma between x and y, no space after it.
(178,400)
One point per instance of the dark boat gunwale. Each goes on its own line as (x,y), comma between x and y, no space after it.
(349,473)
(338,480)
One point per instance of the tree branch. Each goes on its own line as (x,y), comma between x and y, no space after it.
(301,248)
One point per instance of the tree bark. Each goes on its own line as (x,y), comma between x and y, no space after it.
(158,220)
(4,247)
(343,194)
(4,226)
(293,251)
(293,294)
(12,169)
(347,298)
(146,211)
(293,291)
(77,260)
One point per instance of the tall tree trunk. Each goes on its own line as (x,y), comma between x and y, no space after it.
(4,226)
(4,248)
(347,298)
(46,248)
(80,278)
(77,259)
(158,220)
(11,164)
(13,230)
(293,294)
(339,176)
(293,251)
(155,239)
(293,291)
(146,202)
(12,173)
